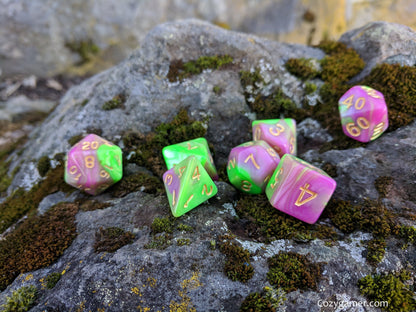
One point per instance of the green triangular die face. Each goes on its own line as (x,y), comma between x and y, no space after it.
(196,186)
(175,153)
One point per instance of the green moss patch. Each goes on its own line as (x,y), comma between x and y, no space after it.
(271,106)
(37,242)
(375,250)
(302,68)
(21,299)
(160,225)
(274,224)
(116,102)
(268,300)
(391,288)
(43,166)
(149,151)
(292,271)
(159,241)
(52,279)
(22,202)
(86,49)
(237,266)
(178,70)
(138,182)
(112,238)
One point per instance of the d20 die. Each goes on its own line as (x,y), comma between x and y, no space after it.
(299,189)
(364,115)
(250,166)
(174,154)
(93,164)
(188,185)
(278,133)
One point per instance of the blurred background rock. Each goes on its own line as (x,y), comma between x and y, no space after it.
(78,37)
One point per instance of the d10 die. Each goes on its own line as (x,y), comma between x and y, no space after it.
(299,189)
(278,133)
(174,154)
(364,115)
(250,166)
(93,164)
(187,185)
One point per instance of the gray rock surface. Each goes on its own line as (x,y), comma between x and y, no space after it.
(17,107)
(382,42)
(138,278)
(152,99)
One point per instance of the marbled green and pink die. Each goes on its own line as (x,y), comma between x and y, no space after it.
(364,115)
(175,153)
(280,134)
(93,164)
(299,189)
(250,166)
(188,185)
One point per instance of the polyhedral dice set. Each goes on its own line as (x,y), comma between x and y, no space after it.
(268,164)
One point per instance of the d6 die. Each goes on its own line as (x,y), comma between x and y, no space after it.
(299,189)
(278,133)
(93,164)
(250,166)
(364,115)
(187,185)
(174,154)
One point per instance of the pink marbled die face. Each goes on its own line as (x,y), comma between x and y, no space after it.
(250,166)
(93,164)
(364,115)
(299,189)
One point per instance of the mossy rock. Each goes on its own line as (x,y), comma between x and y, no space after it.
(292,271)
(390,288)
(21,299)
(112,238)
(37,242)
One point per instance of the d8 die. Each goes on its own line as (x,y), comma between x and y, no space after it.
(187,185)
(250,166)
(299,189)
(93,164)
(364,115)
(174,154)
(278,133)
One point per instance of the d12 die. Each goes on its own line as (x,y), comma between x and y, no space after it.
(299,189)
(250,166)
(93,164)
(364,115)
(188,185)
(278,133)
(174,154)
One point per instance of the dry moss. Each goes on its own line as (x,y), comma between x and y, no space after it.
(291,271)
(37,242)
(112,238)
(22,202)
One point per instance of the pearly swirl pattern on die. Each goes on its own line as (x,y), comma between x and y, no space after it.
(93,164)
(364,114)
(299,189)
(250,166)
(280,134)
